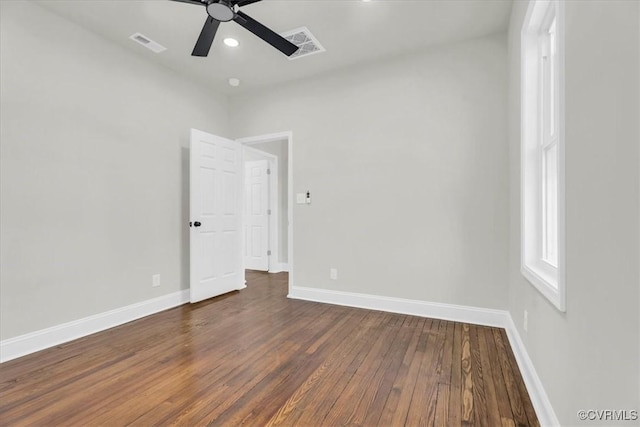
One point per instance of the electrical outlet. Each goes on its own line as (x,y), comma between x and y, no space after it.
(333,273)
(155,280)
(526,321)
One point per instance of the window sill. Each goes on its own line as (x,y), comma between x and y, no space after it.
(546,284)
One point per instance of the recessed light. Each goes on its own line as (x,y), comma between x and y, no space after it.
(231,42)
(234,82)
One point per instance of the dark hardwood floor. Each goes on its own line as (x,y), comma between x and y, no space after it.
(257,358)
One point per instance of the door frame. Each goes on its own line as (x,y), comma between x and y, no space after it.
(273,228)
(281,136)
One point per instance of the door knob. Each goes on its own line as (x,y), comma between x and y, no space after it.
(197,224)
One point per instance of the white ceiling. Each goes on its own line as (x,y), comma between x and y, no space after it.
(352,31)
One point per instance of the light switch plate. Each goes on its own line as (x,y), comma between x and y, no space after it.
(301,198)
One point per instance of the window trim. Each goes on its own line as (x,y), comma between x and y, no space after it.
(547,279)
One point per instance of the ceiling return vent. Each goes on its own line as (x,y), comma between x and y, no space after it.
(306,42)
(147,42)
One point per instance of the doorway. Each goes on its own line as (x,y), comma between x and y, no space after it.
(278,148)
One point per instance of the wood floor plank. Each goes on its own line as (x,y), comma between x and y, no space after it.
(493,410)
(524,394)
(443,366)
(406,394)
(442,405)
(502,397)
(256,357)
(479,393)
(466,388)
(402,380)
(517,407)
(422,406)
(447,354)
(455,390)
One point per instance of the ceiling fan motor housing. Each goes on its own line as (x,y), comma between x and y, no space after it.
(228,10)
(221,10)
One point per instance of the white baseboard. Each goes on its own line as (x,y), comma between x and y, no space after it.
(457,313)
(539,399)
(279,268)
(22,345)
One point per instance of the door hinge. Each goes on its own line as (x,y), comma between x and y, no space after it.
(268,171)
(268,253)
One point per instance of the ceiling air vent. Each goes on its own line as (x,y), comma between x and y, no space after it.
(307,43)
(147,42)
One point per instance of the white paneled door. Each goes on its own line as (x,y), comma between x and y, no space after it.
(256,215)
(216,216)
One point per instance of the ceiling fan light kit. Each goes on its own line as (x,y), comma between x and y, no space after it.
(223,11)
(229,10)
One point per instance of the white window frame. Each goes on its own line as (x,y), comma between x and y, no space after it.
(536,267)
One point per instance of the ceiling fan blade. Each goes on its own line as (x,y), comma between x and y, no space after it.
(274,39)
(208,33)
(195,2)
(242,3)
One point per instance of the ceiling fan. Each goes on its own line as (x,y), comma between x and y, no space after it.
(228,10)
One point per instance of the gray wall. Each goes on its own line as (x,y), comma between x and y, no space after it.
(94,171)
(407,164)
(587,358)
(413,178)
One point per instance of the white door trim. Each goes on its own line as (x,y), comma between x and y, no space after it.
(280,136)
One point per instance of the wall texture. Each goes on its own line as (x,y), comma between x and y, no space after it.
(94,171)
(588,357)
(407,165)
(414,179)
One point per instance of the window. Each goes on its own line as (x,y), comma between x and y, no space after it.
(542,94)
